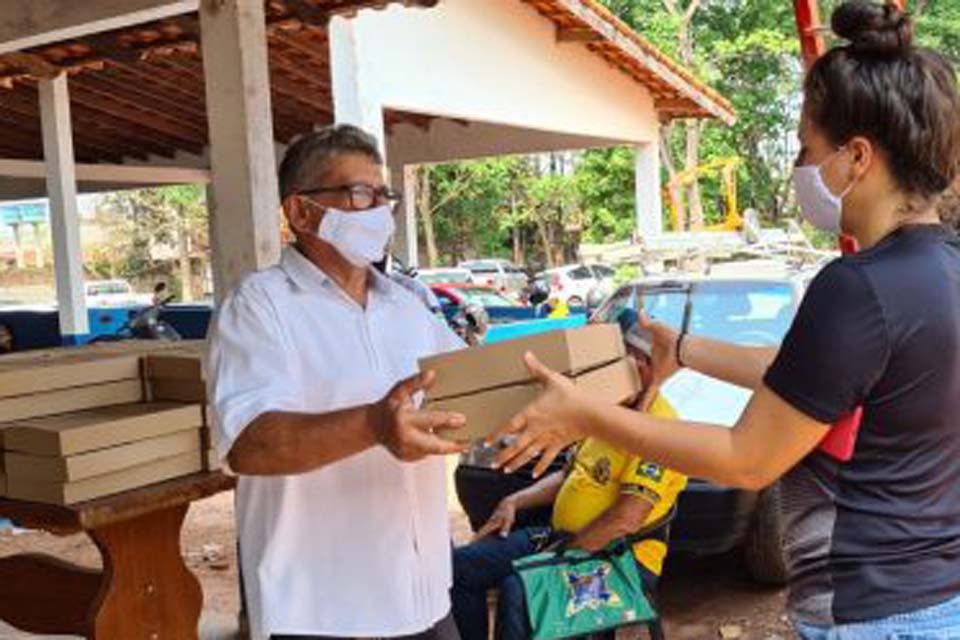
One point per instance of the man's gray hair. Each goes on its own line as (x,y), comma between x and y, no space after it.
(307,160)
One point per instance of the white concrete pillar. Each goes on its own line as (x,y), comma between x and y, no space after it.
(18,244)
(354,92)
(245,212)
(39,261)
(403,179)
(64,221)
(648,190)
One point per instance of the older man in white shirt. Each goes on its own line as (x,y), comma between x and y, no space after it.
(313,385)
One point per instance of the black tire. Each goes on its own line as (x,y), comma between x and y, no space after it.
(763,546)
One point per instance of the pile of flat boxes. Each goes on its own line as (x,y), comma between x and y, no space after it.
(79,424)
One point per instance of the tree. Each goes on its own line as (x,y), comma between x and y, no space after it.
(149,231)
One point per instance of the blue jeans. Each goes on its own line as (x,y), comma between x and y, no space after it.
(940,622)
(488,564)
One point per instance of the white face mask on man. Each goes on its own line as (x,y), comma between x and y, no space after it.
(360,236)
(818,205)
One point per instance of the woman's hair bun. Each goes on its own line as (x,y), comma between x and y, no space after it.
(871,27)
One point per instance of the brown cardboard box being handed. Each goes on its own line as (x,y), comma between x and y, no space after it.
(490,384)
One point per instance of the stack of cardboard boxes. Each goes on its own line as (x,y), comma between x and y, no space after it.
(88,423)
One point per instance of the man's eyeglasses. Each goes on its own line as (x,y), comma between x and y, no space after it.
(361,196)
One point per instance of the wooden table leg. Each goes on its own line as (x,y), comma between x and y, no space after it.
(147,591)
(42,594)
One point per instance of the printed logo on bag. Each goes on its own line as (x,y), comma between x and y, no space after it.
(601,470)
(651,470)
(590,590)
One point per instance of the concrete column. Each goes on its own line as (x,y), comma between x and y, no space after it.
(354,91)
(39,261)
(245,212)
(648,190)
(64,221)
(18,244)
(405,241)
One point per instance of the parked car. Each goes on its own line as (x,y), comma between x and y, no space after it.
(113,293)
(579,285)
(711,519)
(445,275)
(744,310)
(502,275)
(463,294)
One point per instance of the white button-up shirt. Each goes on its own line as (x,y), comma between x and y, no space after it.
(361,547)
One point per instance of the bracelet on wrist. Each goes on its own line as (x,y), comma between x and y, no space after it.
(680,339)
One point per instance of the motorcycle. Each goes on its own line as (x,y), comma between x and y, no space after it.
(146,324)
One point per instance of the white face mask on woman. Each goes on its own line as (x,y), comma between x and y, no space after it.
(818,205)
(360,236)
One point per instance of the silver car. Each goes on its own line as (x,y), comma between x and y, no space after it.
(500,274)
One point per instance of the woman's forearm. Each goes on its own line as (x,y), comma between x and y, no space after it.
(739,365)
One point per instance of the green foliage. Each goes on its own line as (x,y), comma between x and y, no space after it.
(748,50)
(140,222)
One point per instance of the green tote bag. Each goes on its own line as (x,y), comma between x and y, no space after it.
(572,593)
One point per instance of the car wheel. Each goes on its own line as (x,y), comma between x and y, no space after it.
(575,301)
(763,546)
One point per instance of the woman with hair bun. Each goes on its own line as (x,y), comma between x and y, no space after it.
(857,413)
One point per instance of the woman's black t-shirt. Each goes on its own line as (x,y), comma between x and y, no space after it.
(878,535)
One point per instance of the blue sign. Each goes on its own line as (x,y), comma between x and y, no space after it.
(24,212)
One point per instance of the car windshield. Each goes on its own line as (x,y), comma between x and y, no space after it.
(445,276)
(485,297)
(482,266)
(104,288)
(747,313)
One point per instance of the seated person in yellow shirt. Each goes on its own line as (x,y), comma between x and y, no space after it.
(603,495)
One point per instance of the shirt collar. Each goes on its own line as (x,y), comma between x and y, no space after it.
(308,276)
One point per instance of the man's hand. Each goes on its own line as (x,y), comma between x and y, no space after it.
(547,426)
(409,433)
(501,520)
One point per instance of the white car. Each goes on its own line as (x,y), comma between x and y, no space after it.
(442,275)
(579,284)
(502,275)
(113,293)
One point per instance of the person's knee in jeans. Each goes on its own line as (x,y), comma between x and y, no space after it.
(513,623)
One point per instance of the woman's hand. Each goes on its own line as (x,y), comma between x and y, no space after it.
(547,426)
(501,520)
(664,356)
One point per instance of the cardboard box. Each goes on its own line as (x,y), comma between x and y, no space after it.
(186,365)
(175,390)
(71,399)
(73,370)
(211,460)
(82,431)
(498,365)
(108,484)
(31,467)
(175,376)
(490,409)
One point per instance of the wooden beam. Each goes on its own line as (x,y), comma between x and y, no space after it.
(17,112)
(111,173)
(25,24)
(578,35)
(179,133)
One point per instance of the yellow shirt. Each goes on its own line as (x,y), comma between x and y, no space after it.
(600,474)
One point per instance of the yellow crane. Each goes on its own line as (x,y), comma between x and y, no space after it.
(727,170)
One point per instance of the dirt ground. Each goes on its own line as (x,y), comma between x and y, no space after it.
(701,599)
